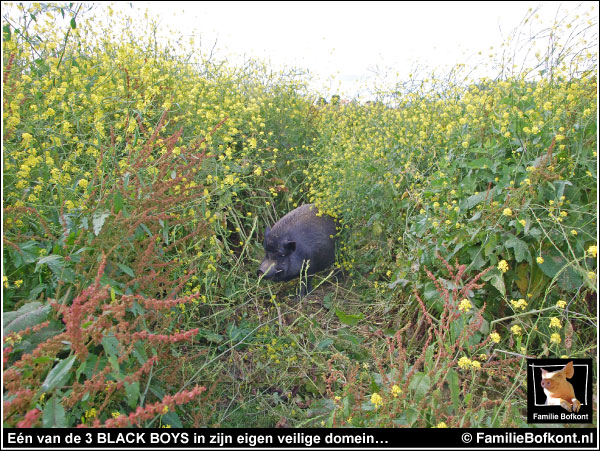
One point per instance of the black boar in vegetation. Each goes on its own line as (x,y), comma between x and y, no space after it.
(299,243)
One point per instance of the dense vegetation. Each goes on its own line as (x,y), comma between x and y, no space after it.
(137,182)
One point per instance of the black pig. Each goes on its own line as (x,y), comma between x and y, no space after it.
(299,238)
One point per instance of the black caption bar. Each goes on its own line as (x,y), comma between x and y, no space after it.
(297,438)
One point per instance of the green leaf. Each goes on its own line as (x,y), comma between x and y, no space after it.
(480,163)
(6,32)
(473,200)
(98,221)
(73,24)
(210,336)
(54,262)
(171,418)
(133,393)
(522,279)
(346,318)
(54,414)
(452,379)
(520,248)
(58,375)
(324,344)
(118,202)
(111,346)
(553,263)
(496,279)
(420,384)
(126,269)
(30,314)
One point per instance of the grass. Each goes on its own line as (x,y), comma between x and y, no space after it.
(137,184)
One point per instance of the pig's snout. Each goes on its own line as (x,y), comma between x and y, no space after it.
(268,270)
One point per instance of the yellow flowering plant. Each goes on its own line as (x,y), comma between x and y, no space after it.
(138,181)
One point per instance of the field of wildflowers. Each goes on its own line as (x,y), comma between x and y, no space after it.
(137,182)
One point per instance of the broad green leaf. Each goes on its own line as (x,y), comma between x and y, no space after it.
(349,319)
(554,264)
(209,335)
(324,344)
(54,262)
(54,414)
(171,418)
(132,391)
(30,314)
(111,346)
(519,247)
(496,279)
(522,279)
(420,384)
(58,375)
(473,200)
(480,163)
(118,202)
(98,221)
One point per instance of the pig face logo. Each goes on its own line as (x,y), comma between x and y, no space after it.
(559,391)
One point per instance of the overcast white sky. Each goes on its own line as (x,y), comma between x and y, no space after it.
(351,40)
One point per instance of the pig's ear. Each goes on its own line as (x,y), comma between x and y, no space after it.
(290,246)
(267,230)
(569,370)
(544,372)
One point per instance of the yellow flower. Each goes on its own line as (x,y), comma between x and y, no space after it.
(555,338)
(516,329)
(503,266)
(593,251)
(18,283)
(574,232)
(376,400)
(555,322)
(561,304)
(475,364)
(83,183)
(465,305)
(464,362)
(507,212)
(495,337)
(441,424)
(540,260)
(520,304)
